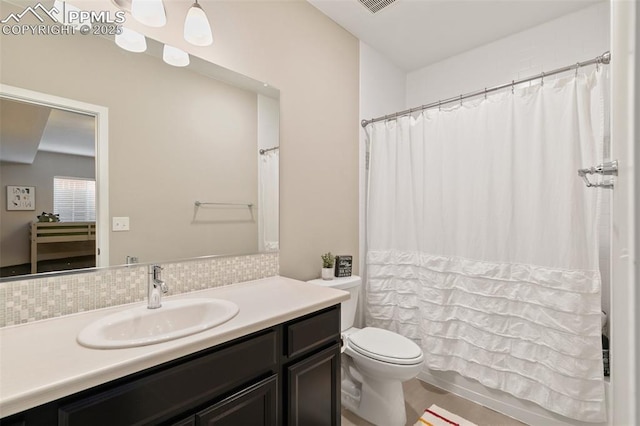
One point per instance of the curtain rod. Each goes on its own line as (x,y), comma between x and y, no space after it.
(605,58)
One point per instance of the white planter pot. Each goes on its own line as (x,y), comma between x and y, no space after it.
(327,273)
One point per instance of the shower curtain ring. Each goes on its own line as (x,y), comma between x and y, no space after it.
(577,67)
(460,100)
(485,93)
(542,79)
(439,105)
(513,82)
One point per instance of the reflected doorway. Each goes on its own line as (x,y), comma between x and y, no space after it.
(48,170)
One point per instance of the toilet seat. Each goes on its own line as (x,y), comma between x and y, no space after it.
(386,346)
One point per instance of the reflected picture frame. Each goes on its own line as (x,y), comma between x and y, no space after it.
(21,198)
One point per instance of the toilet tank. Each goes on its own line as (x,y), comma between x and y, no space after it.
(348,307)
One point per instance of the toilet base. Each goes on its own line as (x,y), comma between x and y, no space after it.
(381,402)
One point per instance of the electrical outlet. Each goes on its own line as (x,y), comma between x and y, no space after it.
(120,224)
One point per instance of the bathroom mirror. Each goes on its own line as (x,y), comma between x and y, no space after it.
(185,173)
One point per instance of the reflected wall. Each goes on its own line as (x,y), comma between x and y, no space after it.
(175,137)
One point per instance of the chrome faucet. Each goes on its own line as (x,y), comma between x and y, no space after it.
(155,288)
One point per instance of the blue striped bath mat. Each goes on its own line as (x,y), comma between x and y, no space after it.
(436,416)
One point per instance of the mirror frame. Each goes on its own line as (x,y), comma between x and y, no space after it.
(101,115)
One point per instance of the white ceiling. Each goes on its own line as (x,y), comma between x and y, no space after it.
(21,128)
(415,33)
(69,133)
(27,128)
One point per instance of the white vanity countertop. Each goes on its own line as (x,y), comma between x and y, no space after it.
(41,361)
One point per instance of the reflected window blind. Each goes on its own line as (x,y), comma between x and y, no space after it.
(74,199)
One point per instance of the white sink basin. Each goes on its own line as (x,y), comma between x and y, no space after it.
(141,326)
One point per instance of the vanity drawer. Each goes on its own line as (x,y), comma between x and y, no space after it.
(160,395)
(312,331)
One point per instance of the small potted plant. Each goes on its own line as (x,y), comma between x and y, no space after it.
(327,266)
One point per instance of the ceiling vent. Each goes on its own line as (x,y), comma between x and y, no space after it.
(376,5)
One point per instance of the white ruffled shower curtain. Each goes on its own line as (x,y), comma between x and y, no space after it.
(482,241)
(268,219)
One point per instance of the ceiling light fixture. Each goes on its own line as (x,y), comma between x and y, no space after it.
(197,29)
(149,12)
(174,56)
(131,40)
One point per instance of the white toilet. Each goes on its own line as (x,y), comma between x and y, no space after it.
(375,362)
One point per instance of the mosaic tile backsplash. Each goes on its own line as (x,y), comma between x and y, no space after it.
(41,298)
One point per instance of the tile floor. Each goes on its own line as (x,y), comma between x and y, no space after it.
(419,395)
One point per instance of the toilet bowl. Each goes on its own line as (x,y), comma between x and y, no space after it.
(375,362)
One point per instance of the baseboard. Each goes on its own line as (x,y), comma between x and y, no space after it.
(524,411)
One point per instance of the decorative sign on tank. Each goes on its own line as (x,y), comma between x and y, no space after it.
(343,266)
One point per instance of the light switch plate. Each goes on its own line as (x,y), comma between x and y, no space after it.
(120,224)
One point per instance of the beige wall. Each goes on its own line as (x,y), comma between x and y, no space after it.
(314,62)
(174,137)
(14,225)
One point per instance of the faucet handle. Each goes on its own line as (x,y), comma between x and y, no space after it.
(156,270)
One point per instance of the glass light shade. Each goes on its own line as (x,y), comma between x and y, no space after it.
(197,30)
(131,40)
(149,12)
(174,56)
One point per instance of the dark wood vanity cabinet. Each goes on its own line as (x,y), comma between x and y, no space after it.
(285,375)
(312,378)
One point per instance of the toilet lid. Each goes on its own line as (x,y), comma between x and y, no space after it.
(386,346)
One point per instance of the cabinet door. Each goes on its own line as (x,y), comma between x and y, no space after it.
(254,406)
(313,390)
